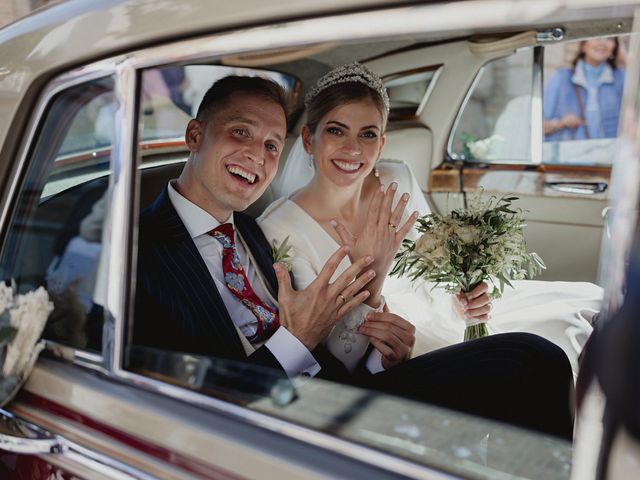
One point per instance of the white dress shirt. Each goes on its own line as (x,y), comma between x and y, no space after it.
(294,357)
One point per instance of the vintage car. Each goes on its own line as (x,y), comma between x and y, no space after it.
(94,99)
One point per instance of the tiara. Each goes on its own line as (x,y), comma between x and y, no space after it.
(351,72)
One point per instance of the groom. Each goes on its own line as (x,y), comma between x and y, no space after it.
(207,285)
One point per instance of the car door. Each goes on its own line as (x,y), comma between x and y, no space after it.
(106,408)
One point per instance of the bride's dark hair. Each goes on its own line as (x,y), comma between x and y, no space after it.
(341,94)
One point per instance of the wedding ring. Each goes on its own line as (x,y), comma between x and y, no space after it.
(341,297)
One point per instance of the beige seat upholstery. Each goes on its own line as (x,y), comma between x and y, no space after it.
(412,145)
(154,179)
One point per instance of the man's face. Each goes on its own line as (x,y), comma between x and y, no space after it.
(234,154)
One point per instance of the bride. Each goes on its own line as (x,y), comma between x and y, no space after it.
(347,191)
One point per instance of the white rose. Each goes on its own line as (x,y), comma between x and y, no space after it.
(479,149)
(426,243)
(468,234)
(436,254)
(483,149)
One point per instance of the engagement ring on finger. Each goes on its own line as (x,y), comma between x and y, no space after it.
(395,227)
(341,297)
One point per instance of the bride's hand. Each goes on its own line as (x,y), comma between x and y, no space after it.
(381,236)
(474,304)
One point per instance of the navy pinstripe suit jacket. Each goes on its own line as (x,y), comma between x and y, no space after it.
(178,306)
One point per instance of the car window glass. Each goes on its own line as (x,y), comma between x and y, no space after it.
(581,100)
(55,235)
(407,91)
(449,441)
(171,95)
(495,122)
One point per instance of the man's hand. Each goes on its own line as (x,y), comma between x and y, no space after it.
(311,313)
(391,334)
(475,304)
(381,236)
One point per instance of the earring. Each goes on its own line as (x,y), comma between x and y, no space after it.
(311,161)
(376,173)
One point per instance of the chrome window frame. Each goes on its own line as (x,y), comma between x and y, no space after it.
(121,236)
(537,114)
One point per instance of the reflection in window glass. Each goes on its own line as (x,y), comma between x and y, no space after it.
(495,124)
(171,95)
(582,99)
(449,441)
(55,236)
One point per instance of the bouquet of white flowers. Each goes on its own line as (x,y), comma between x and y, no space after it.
(468,246)
(22,319)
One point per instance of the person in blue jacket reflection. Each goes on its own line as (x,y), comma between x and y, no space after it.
(583,102)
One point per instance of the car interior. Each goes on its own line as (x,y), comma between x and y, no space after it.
(431,85)
(431,82)
(452,92)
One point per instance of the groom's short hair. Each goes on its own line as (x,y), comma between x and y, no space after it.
(221,91)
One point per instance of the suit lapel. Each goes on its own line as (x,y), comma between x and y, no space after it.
(191,274)
(259,248)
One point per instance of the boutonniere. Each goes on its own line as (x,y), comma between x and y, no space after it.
(282,253)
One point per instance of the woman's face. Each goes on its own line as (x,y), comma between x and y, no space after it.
(598,51)
(347,142)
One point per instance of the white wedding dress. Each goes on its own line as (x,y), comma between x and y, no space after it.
(558,311)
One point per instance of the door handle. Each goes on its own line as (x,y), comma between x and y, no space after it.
(581,188)
(20,436)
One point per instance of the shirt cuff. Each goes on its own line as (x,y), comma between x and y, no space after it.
(291,353)
(374,362)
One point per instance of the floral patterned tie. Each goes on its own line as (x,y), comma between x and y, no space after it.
(238,283)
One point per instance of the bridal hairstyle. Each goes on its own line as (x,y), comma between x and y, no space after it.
(221,91)
(339,94)
(332,90)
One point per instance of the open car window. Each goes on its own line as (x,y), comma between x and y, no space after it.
(429,435)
